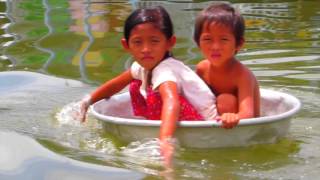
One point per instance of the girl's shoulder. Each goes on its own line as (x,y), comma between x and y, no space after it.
(173,68)
(171,63)
(171,60)
(137,71)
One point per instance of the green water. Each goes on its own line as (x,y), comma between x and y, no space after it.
(80,40)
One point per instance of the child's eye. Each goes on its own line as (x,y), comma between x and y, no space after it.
(224,39)
(155,41)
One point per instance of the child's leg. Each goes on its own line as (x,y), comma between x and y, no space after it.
(227,103)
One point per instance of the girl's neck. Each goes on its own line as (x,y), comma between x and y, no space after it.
(149,77)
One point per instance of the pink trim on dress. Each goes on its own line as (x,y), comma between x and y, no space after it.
(150,108)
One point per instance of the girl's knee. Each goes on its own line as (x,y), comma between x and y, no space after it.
(227,103)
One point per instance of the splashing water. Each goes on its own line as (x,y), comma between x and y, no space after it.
(148,150)
(78,135)
(69,114)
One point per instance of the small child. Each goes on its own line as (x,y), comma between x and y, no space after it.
(219,32)
(161,87)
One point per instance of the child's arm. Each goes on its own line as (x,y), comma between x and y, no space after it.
(246,95)
(106,90)
(246,86)
(169,116)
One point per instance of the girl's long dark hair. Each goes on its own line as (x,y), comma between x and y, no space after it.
(155,15)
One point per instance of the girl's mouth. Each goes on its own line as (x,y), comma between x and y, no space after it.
(147,58)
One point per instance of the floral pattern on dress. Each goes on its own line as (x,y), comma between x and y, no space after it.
(150,107)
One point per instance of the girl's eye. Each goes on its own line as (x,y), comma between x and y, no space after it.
(136,42)
(206,39)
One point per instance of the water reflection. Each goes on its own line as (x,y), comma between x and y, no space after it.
(47,22)
(84,43)
(91,20)
(20,38)
(7,39)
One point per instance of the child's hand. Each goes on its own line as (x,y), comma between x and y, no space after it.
(229,120)
(84,105)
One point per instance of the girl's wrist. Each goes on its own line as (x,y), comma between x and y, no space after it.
(87,100)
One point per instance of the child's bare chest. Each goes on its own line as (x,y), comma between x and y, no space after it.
(222,83)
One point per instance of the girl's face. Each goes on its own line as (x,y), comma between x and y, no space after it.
(218,43)
(148,45)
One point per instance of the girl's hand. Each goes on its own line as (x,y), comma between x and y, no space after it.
(229,120)
(167,151)
(84,106)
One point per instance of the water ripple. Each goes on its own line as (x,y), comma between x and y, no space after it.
(265,52)
(280,60)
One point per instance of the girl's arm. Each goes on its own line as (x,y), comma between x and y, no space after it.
(169,116)
(104,91)
(170,109)
(111,87)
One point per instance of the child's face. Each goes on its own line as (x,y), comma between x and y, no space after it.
(148,45)
(217,43)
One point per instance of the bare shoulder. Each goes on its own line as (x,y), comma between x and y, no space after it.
(243,71)
(243,77)
(202,67)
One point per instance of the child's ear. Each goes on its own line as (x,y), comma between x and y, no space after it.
(172,41)
(241,44)
(124,43)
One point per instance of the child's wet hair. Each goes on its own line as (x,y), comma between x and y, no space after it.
(157,15)
(221,13)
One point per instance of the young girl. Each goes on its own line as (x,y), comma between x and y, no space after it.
(219,32)
(161,87)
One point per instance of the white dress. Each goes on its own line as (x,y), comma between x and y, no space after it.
(189,84)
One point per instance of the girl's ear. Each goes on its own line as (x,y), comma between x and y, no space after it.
(124,43)
(172,41)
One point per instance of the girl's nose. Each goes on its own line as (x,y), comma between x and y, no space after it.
(145,48)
